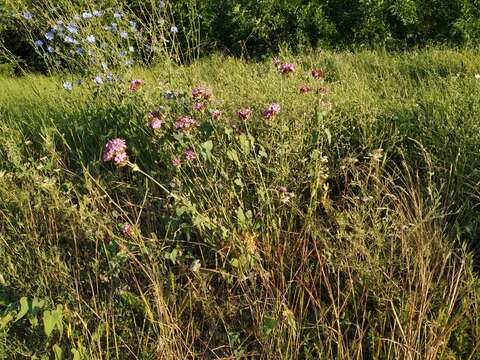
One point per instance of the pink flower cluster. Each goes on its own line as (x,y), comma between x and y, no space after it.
(286,68)
(216,114)
(305,89)
(155,119)
(185,123)
(317,74)
(116,151)
(271,111)
(190,155)
(200,107)
(127,229)
(135,85)
(200,93)
(244,114)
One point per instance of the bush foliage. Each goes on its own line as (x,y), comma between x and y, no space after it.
(258,27)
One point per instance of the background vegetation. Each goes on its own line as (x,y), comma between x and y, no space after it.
(259,27)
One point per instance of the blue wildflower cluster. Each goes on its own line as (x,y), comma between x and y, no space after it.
(98,44)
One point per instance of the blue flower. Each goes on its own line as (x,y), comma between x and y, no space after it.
(123,53)
(27,16)
(78,82)
(72,28)
(67,85)
(91,39)
(161,4)
(87,15)
(110,77)
(38,43)
(69,39)
(50,49)
(50,35)
(129,63)
(123,35)
(174,29)
(117,15)
(98,80)
(79,51)
(98,13)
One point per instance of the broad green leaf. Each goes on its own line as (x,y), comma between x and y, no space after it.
(48,322)
(23,308)
(208,146)
(5,319)
(57,350)
(269,324)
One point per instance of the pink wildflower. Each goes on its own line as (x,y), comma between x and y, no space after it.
(276,62)
(216,114)
(185,123)
(135,85)
(200,107)
(176,162)
(286,68)
(271,111)
(244,114)
(121,159)
(317,74)
(190,155)
(305,89)
(115,149)
(155,120)
(198,92)
(127,229)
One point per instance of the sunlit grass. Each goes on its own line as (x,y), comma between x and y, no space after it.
(344,227)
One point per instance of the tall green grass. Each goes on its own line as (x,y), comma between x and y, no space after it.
(370,254)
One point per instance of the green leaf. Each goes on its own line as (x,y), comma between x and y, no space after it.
(23,308)
(48,322)
(269,324)
(329,135)
(241,216)
(208,146)
(57,350)
(5,319)
(53,319)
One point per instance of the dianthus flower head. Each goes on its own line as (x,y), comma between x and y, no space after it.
(216,114)
(155,119)
(198,92)
(317,74)
(305,89)
(271,111)
(190,155)
(135,85)
(113,147)
(121,159)
(185,123)
(287,68)
(176,162)
(276,62)
(200,107)
(244,114)
(127,229)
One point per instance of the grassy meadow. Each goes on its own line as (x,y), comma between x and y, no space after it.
(344,227)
